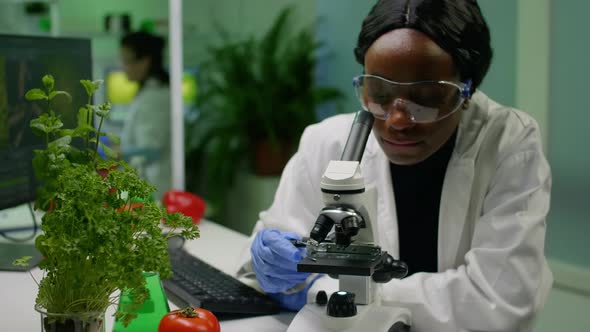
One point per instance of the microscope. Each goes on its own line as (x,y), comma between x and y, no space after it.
(349,252)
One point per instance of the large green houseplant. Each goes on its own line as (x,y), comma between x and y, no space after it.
(100,233)
(256,95)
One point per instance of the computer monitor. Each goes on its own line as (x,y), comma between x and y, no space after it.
(24,60)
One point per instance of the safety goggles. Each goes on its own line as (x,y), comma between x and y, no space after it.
(423,102)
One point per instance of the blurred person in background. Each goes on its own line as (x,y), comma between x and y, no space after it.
(145,140)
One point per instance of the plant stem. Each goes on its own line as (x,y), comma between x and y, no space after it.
(88,117)
(188,312)
(97,140)
(47,134)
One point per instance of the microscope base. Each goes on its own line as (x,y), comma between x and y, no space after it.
(372,317)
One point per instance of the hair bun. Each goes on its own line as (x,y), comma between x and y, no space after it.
(159,41)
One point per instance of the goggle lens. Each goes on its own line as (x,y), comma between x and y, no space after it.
(426,101)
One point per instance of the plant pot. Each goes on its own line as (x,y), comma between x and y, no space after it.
(75,322)
(269,159)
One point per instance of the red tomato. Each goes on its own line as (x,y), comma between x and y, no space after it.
(184,202)
(189,320)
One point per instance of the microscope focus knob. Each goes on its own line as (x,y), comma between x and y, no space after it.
(390,268)
(321,298)
(341,304)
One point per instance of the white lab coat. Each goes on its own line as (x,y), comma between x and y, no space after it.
(145,140)
(492,272)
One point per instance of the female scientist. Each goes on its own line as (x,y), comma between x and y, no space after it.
(463,185)
(145,141)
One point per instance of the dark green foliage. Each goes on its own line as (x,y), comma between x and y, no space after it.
(253,90)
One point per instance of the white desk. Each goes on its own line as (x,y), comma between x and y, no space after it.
(218,246)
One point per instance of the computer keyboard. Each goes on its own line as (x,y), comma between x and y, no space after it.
(201,285)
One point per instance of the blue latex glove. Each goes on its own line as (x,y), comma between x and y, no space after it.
(275,258)
(294,301)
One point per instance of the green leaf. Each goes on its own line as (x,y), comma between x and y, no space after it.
(38,127)
(23,261)
(53,94)
(107,164)
(103,110)
(108,151)
(61,142)
(88,86)
(39,163)
(48,82)
(35,94)
(83,130)
(91,86)
(46,123)
(67,132)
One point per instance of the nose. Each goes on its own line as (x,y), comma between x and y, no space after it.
(398,117)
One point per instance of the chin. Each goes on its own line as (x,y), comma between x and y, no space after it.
(408,160)
(404,161)
(405,158)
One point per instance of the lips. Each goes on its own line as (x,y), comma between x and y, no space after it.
(402,142)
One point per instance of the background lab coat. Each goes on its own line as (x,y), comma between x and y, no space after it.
(145,141)
(493,275)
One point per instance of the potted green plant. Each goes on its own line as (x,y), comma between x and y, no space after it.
(257,96)
(100,232)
